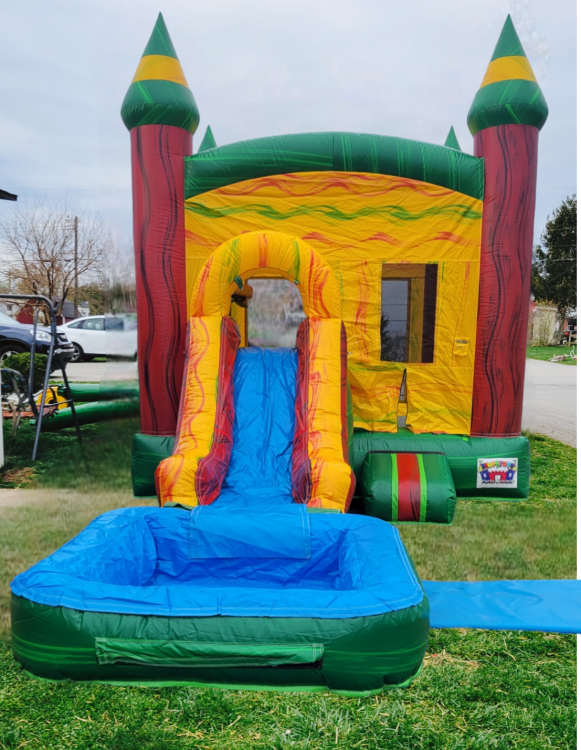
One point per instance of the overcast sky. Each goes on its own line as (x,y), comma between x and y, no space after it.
(265,67)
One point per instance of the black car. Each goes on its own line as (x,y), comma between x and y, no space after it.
(16,338)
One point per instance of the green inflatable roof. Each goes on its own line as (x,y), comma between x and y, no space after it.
(159,93)
(509,93)
(343,152)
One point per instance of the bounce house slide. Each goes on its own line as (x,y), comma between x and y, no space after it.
(315,378)
(253,574)
(260,456)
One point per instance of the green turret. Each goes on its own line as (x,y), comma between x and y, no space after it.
(161,115)
(159,93)
(506,115)
(452,141)
(509,93)
(208,141)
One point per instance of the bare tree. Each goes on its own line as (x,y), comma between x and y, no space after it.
(119,275)
(38,245)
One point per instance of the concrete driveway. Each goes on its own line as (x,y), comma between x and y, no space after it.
(87,372)
(550,400)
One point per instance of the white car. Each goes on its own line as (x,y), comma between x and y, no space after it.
(102,336)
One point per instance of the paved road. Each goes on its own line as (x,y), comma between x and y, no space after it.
(550,401)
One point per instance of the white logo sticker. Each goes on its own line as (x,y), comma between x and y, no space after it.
(496,472)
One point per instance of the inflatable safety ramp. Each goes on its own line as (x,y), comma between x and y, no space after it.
(215,596)
(406,486)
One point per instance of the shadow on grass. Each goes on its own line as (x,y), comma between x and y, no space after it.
(102,460)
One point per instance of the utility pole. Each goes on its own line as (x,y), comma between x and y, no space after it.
(76,289)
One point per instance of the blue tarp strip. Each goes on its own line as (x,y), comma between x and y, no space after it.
(548,606)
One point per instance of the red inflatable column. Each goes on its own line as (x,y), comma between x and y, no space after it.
(160,111)
(510,176)
(505,118)
(157,162)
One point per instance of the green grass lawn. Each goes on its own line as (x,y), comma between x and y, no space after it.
(477,690)
(101,461)
(510,690)
(548,352)
(18,468)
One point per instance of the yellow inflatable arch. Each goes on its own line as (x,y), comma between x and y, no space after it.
(321,475)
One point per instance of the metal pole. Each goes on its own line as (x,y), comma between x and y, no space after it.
(31,370)
(69,397)
(46,379)
(32,352)
(1,431)
(76,289)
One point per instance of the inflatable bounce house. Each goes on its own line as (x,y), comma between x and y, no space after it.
(272,561)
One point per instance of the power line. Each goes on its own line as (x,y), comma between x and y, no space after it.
(554,278)
(92,190)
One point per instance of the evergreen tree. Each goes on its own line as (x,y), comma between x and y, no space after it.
(555,272)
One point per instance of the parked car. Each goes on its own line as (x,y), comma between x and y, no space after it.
(102,336)
(16,338)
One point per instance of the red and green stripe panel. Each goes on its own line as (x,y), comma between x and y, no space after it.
(408,487)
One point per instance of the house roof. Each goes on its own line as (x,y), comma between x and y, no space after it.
(68,310)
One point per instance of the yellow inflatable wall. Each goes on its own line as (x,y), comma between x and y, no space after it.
(371,227)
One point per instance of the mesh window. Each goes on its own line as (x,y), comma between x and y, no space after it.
(274,313)
(408,312)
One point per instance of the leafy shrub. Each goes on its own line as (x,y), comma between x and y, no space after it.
(21,363)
